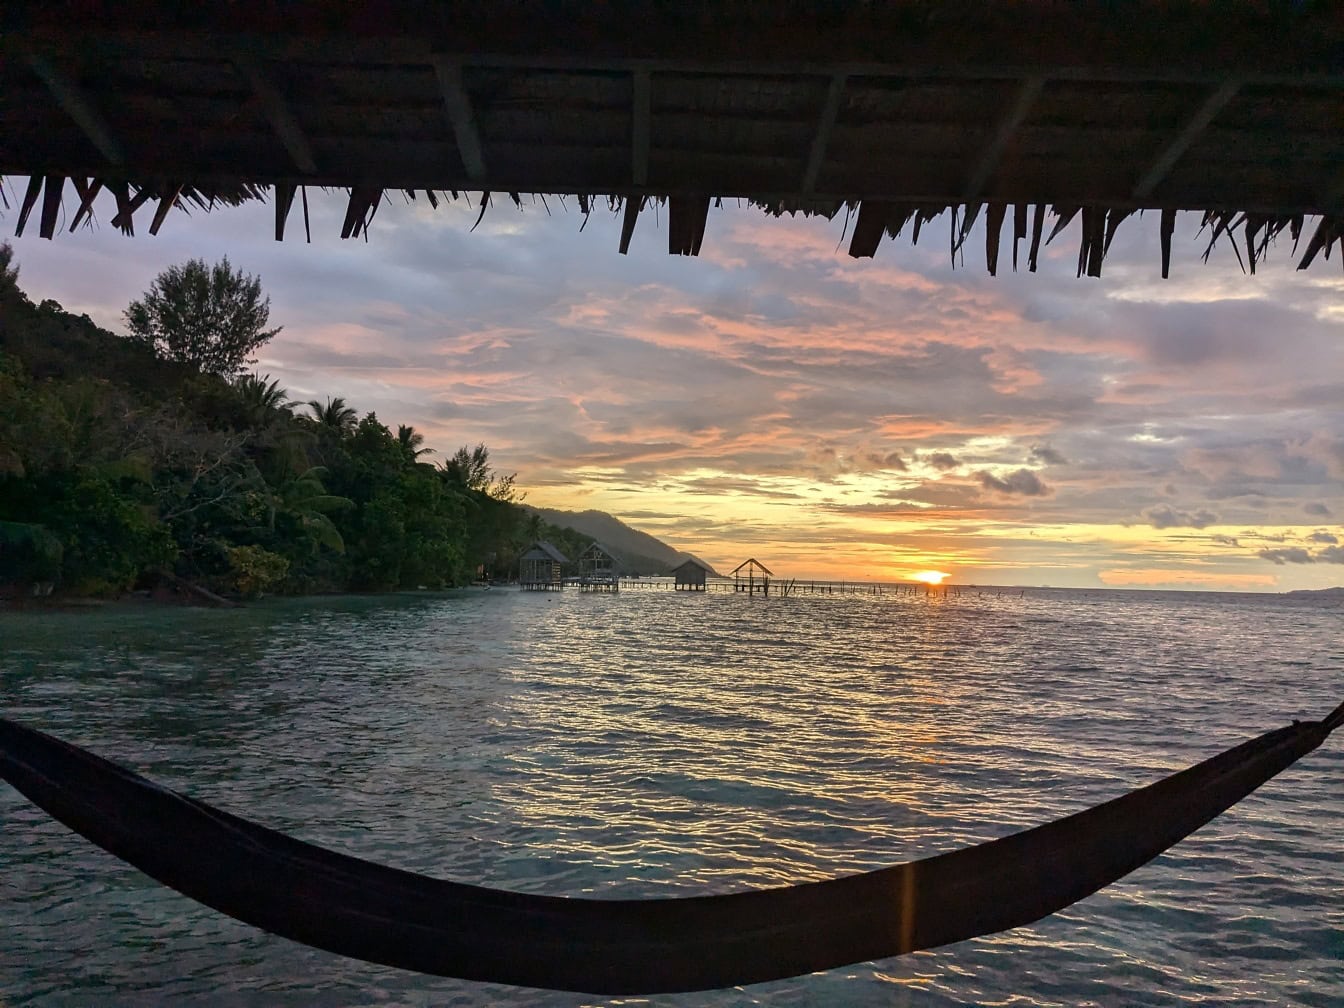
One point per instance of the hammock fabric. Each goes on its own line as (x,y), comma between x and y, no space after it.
(367,911)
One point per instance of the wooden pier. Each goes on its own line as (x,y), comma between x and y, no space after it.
(785,588)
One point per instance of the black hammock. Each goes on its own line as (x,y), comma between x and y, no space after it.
(367,911)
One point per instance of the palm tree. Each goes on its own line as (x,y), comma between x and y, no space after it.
(535,527)
(334,416)
(262,398)
(410,440)
(305,499)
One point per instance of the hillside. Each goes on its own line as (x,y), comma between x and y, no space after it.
(638,550)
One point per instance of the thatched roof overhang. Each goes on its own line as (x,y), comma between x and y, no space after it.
(894,112)
(544,551)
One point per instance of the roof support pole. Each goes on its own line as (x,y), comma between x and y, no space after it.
(1010,119)
(76,104)
(461,118)
(278,113)
(641,111)
(1214,103)
(816,155)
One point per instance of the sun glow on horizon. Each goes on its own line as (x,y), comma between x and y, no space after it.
(931,577)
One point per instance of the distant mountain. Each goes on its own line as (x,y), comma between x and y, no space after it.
(639,551)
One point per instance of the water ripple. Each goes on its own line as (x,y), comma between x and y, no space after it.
(656,744)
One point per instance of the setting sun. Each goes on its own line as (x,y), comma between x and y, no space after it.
(930,577)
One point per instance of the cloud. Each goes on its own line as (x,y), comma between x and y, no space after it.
(1046,455)
(774,382)
(1331,554)
(1321,536)
(1023,483)
(891,461)
(1225,540)
(1287,555)
(1164,516)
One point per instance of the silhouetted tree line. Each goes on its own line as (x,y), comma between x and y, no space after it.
(125,459)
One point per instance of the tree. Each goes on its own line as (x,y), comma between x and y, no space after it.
(335,416)
(209,317)
(411,442)
(262,398)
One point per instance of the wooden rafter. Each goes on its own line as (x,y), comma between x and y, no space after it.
(461,117)
(641,112)
(79,107)
(1011,118)
(278,113)
(1199,121)
(816,155)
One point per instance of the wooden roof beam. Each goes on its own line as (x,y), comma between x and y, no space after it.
(461,118)
(1011,118)
(830,111)
(278,113)
(1214,103)
(79,107)
(641,113)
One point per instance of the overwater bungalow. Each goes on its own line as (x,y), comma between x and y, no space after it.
(690,576)
(541,568)
(752,576)
(598,569)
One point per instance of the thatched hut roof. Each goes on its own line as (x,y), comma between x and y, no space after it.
(892,113)
(544,551)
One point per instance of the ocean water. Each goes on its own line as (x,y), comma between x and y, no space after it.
(656,743)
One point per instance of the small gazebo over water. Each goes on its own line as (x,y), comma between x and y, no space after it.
(539,569)
(597,569)
(752,576)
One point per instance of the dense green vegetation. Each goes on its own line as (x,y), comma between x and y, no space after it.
(128,461)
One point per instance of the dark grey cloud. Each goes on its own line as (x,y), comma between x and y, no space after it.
(1164,516)
(1321,536)
(1023,482)
(1287,555)
(1316,508)
(1046,455)
(1331,554)
(942,460)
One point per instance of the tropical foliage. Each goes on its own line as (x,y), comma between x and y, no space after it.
(209,317)
(121,463)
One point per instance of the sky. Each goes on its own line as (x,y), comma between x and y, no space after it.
(856,419)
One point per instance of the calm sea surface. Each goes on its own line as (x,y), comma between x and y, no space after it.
(654,744)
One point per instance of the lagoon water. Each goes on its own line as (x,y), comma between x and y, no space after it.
(655,743)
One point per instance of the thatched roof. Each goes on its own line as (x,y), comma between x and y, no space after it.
(544,551)
(597,551)
(891,113)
